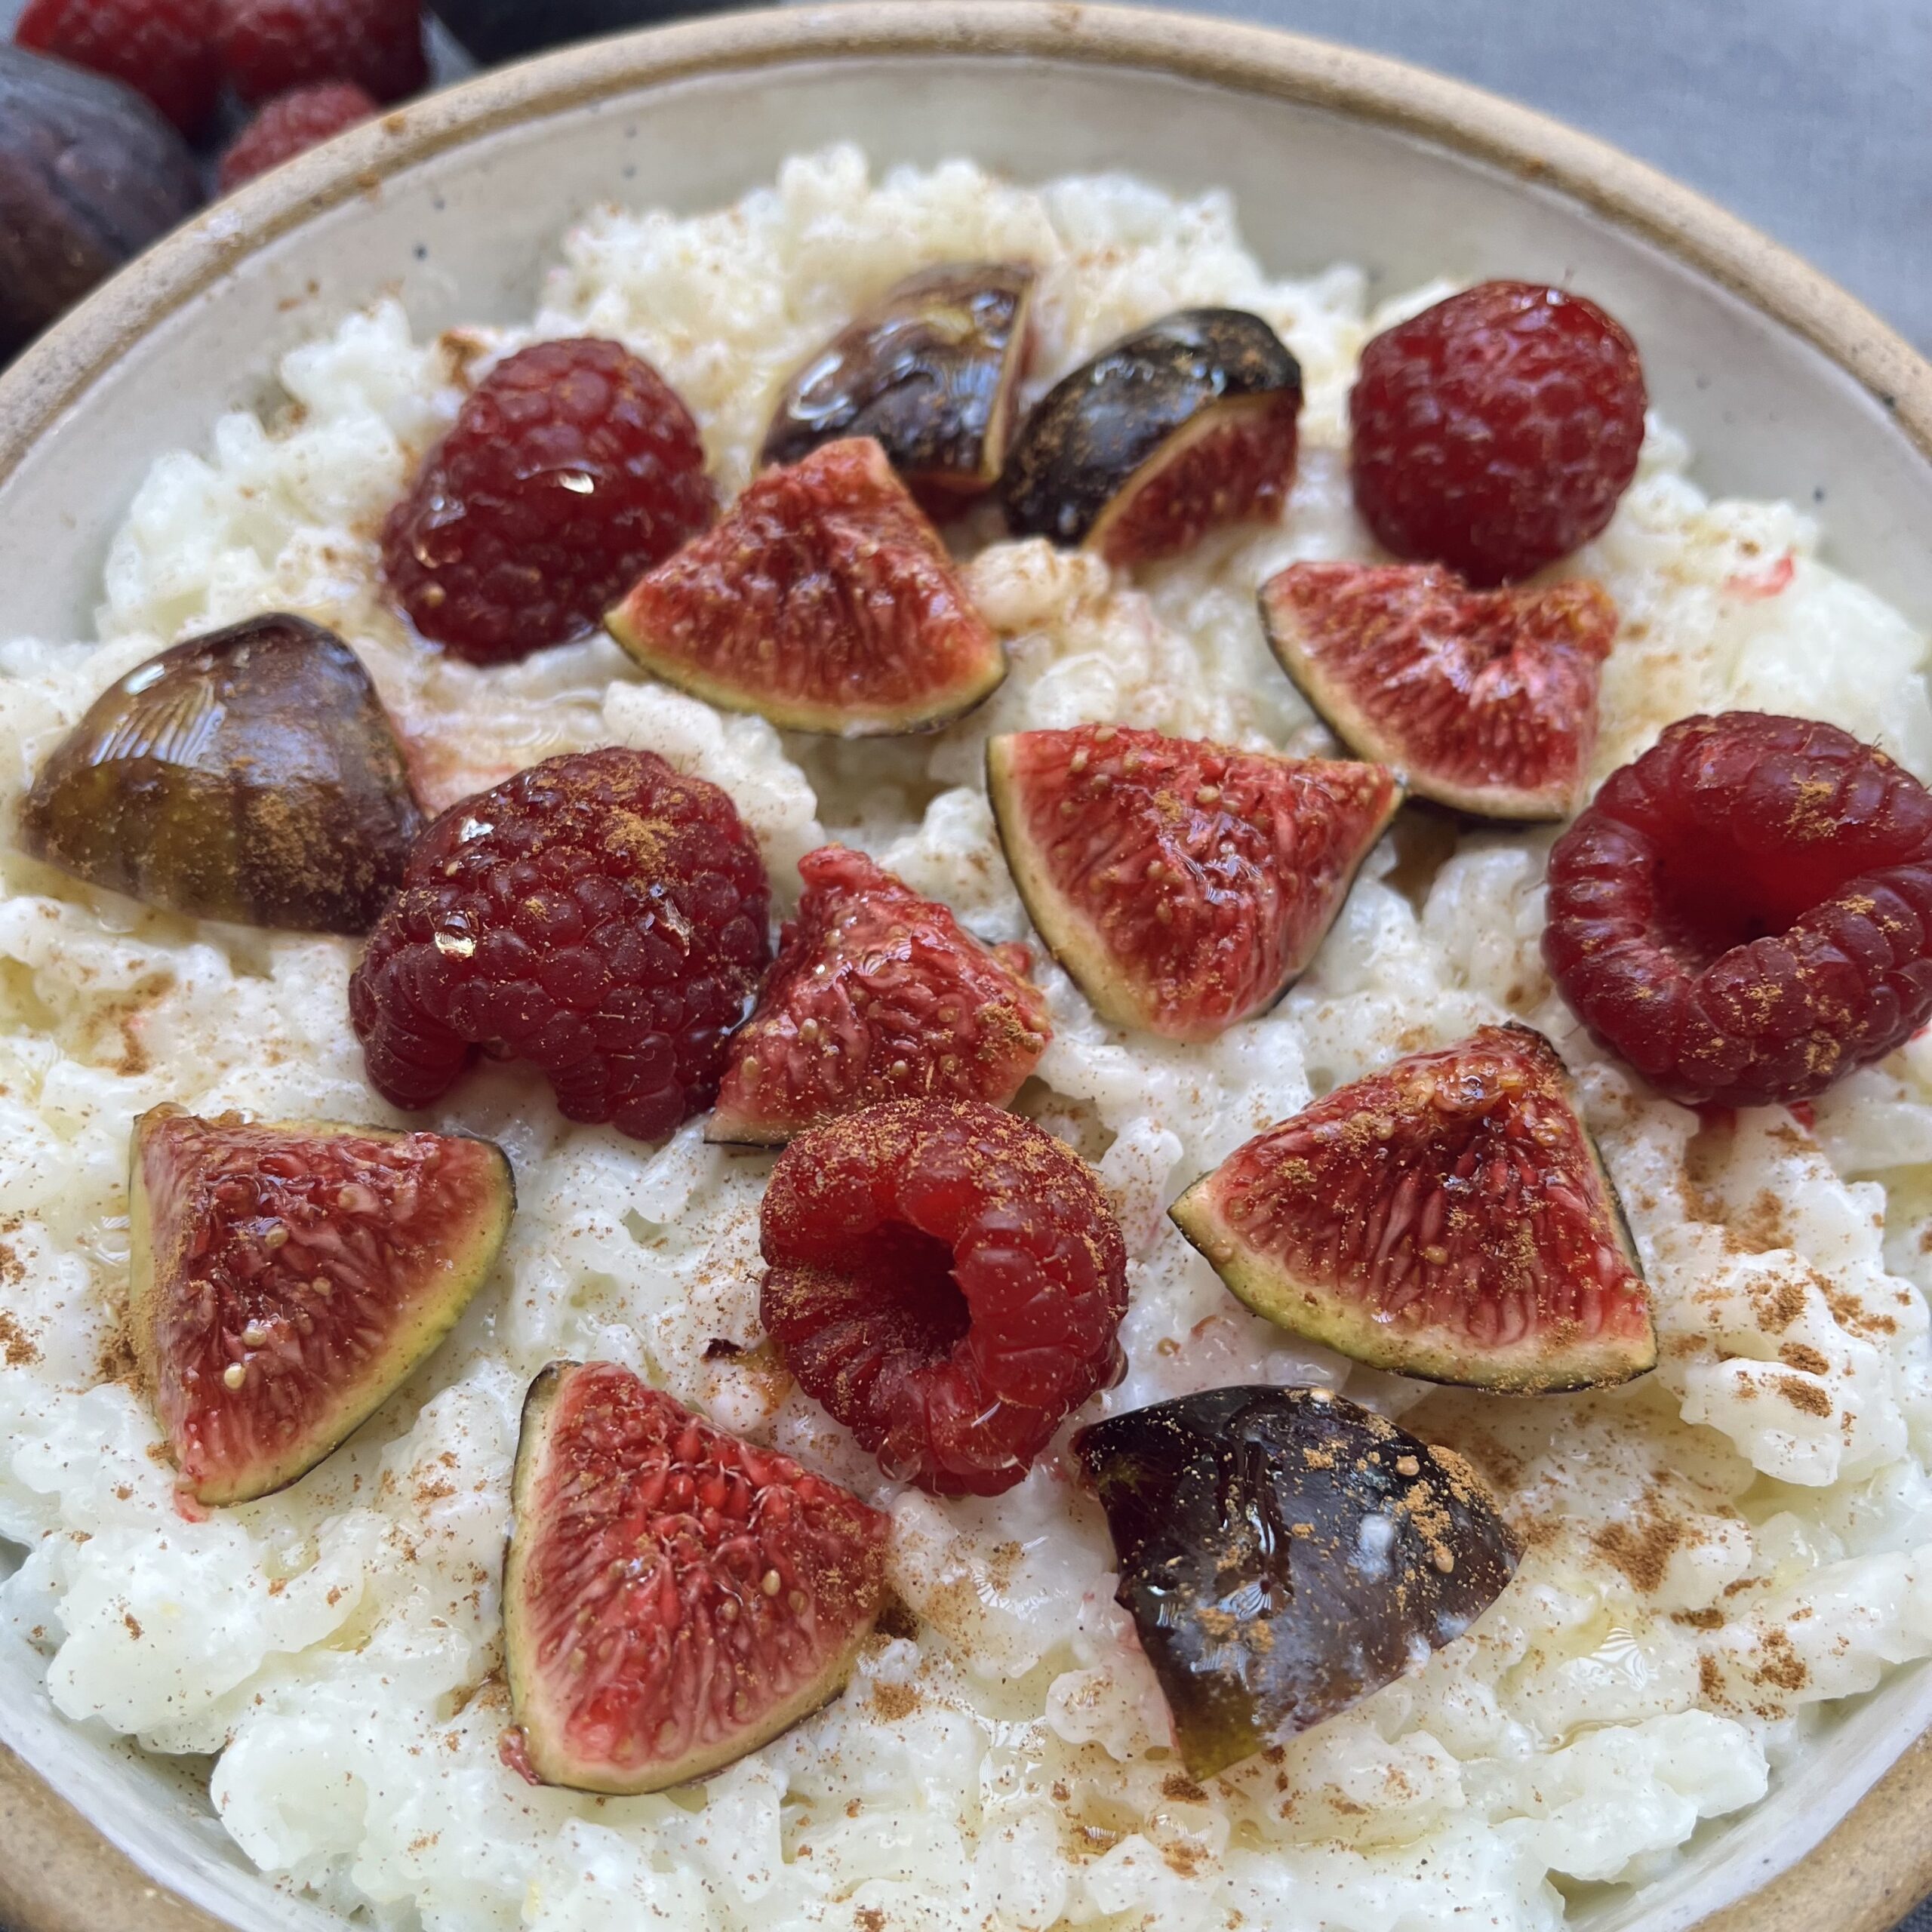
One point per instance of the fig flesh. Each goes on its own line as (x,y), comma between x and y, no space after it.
(673,1597)
(1484,700)
(1183,886)
(1180,428)
(824,601)
(877,995)
(286,1277)
(1448,1218)
(250,775)
(931,373)
(1284,1553)
(90,173)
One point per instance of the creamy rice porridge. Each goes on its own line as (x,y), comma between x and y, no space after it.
(1713,1554)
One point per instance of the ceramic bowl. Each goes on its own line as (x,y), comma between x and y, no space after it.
(1786,387)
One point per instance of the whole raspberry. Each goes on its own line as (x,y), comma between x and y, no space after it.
(571,469)
(948,1281)
(165,49)
(1745,913)
(598,915)
(290,125)
(1495,431)
(270,46)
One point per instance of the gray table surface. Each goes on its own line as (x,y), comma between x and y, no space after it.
(1806,117)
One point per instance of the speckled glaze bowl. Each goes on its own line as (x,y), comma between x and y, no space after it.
(1784,385)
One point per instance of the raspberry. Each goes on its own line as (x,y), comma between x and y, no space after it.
(1495,431)
(877,995)
(948,1281)
(598,915)
(164,49)
(1745,913)
(270,46)
(571,469)
(290,125)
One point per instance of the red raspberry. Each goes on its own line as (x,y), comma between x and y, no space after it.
(948,1281)
(290,125)
(571,469)
(1495,431)
(1745,913)
(598,915)
(164,49)
(270,46)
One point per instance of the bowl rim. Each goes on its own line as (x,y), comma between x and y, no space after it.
(1860,1878)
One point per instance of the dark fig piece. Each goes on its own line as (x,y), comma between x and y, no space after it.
(930,372)
(674,1597)
(251,775)
(90,174)
(1447,1218)
(1185,425)
(285,1279)
(1283,1554)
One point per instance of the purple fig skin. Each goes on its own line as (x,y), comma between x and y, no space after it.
(251,775)
(90,174)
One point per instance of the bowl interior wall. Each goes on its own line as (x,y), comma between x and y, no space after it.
(462,234)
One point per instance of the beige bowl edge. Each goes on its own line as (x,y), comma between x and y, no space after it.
(57,1874)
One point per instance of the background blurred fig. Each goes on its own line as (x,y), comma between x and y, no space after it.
(90,174)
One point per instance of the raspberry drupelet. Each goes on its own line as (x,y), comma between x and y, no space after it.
(1496,432)
(599,915)
(1745,913)
(948,1281)
(570,470)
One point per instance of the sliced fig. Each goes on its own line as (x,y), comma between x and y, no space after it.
(1284,1553)
(1184,886)
(877,995)
(673,1597)
(1448,1218)
(285,1278)
(1176,429)
(1485,700)
(251,775)
(824,601)
(931,372)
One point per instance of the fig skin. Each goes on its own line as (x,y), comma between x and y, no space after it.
(251,775)
(90,174)
(1097,436)
(931,372)
(1266,1598)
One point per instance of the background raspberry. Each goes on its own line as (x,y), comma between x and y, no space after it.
(164,49)
(270,46)
(291,123)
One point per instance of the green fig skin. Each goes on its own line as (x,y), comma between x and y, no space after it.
(251,775)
